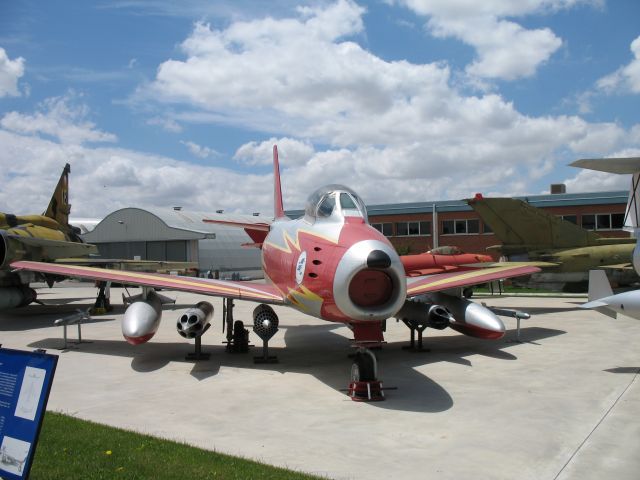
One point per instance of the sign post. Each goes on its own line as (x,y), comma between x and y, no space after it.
(25,383)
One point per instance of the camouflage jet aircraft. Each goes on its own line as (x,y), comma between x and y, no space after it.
(528,233)
(45,238)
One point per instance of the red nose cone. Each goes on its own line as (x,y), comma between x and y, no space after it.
(139,340)
(370,288)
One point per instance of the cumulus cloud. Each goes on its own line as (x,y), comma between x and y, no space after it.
(10,72)
(106,179)
(395,131)
(63,118)
(627,78)
(395,128)
(290,152)
(505,50)
(199,151)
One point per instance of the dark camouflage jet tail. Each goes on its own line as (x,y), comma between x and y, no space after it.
(516,223)
(59,207)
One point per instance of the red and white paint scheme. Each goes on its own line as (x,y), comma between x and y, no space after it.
(329,264)
(442,259)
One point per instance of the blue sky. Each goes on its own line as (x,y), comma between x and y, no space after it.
(157,103)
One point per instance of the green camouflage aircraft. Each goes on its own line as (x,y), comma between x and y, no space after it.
(47,237)
(531,234)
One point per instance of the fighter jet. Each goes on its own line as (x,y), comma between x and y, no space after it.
(330,264)
(601,297)
(528,233)
(45,238)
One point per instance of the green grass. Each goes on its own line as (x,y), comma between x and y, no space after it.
(69,448)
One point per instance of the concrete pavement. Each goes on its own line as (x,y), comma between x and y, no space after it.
(564,404)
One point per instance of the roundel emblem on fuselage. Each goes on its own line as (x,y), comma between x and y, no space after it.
(300,266)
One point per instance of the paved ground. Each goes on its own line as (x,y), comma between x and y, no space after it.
(565,404)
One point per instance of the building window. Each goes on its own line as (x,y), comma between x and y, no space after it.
(603,221)
(570,218)
(404,229)
(486,228)
(461,227)
(385,228)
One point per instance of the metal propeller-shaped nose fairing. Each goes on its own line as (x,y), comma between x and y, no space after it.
(369,283)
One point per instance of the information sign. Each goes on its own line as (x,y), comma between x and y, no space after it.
(25,383)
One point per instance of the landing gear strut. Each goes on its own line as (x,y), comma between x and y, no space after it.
(364,385)
(237,335)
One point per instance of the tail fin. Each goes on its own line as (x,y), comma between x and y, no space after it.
(59,207)
(278,209)
(515,222)
(599,289)
(599,286)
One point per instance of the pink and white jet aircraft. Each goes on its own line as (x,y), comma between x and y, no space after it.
(330,264)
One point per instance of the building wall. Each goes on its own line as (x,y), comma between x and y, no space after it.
(478,242)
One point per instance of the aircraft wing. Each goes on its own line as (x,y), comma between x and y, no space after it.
(444,281)
(217,288)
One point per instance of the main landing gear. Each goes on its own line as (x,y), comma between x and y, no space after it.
(237,335)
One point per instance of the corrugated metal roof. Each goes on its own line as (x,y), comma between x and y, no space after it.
(130,224)
(549,200)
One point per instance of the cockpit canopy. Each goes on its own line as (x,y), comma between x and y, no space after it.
(334,202)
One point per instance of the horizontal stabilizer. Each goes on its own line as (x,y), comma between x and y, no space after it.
(600,306)
(611,165)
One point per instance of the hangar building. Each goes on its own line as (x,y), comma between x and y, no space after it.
(177,235)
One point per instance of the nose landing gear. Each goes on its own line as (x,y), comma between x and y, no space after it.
(364,385)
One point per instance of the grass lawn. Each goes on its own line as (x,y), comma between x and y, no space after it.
(69,448)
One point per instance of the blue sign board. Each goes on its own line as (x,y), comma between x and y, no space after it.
(25,383)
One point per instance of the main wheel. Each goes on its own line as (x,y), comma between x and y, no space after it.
(363,368)
(240,337)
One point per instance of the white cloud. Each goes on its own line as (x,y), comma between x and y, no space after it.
(290,152)
(60,117)
(199,151)
(10,72)
(401,130)
(168,124)
(625,79)
(505,50)
(106,179)
(594,181)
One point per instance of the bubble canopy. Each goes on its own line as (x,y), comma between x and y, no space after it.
(334,202)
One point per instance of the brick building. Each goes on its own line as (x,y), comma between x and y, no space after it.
(410,226)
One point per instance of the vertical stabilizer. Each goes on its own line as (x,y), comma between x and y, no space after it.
(59,206)
(516,223)
(278,209)
(599,286)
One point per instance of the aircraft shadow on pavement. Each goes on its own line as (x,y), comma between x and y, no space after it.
(634,370)
(319,351)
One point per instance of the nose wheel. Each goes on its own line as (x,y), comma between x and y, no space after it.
(364,385)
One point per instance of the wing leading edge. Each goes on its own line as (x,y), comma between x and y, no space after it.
(217,288)
(444,281)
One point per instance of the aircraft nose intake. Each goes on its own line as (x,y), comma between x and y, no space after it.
(378,259)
